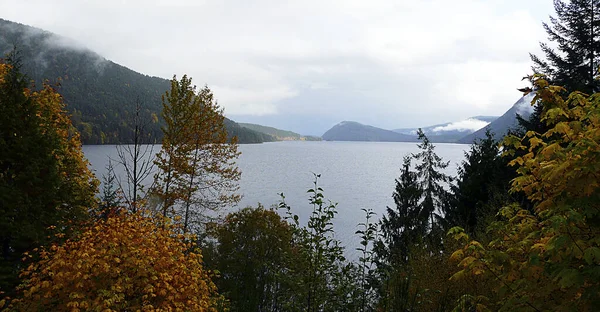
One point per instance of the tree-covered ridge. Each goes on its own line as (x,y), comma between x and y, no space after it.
(246,135)
(278,134)
(354,131)
(100,95)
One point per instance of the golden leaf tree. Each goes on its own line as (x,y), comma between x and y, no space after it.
(548,259)
(197,172)
(124,263)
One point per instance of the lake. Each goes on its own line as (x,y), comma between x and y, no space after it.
(355,175)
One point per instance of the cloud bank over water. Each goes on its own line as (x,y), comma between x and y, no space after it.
(470,125)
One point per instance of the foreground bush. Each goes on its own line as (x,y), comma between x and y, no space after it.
(124,263)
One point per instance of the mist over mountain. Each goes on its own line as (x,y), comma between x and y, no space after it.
(464,131)
(101,97)
(507,121)
(451,132)
(100,94)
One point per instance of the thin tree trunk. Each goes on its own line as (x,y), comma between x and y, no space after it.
(190,189)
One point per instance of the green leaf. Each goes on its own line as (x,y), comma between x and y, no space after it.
(591,255)
(569,278)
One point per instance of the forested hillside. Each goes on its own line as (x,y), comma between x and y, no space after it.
(354,131)
(278,134)
(100,94)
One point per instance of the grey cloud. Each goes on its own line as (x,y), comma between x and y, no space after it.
(54,43)
(306,65)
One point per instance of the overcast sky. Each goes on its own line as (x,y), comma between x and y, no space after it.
(307,65)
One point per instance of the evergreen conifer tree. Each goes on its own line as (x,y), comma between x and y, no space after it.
(431,180)
(401,227)
(481,175)
(576,32)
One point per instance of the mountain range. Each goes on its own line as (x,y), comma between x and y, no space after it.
(450,132)
(101,97)
(464,131)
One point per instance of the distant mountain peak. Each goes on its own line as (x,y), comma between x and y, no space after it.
(348,122)
(508,120)
(523,105)
(354,131)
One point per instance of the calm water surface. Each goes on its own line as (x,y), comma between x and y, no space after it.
(355,175)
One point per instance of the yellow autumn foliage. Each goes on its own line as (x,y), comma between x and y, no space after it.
(123,263)
(548,259)
(4,68)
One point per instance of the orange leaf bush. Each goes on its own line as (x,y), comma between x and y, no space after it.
(124,263)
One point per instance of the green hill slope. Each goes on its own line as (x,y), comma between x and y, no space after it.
(101,95)
(278,134)
(246,135)
(354,131)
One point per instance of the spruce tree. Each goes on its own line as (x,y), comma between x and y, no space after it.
(431,181)
(414,225)
(481,176)
(401,227)
(576,32)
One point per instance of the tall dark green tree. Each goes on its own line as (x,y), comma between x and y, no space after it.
(403,225)
(576,33)
(432,181)
(481,176)
(401,230)
(45,182)
(413,227)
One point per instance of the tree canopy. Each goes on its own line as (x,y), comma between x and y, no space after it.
(548,259)
(124,263)
(576,32)
(44,178)
(196,166)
